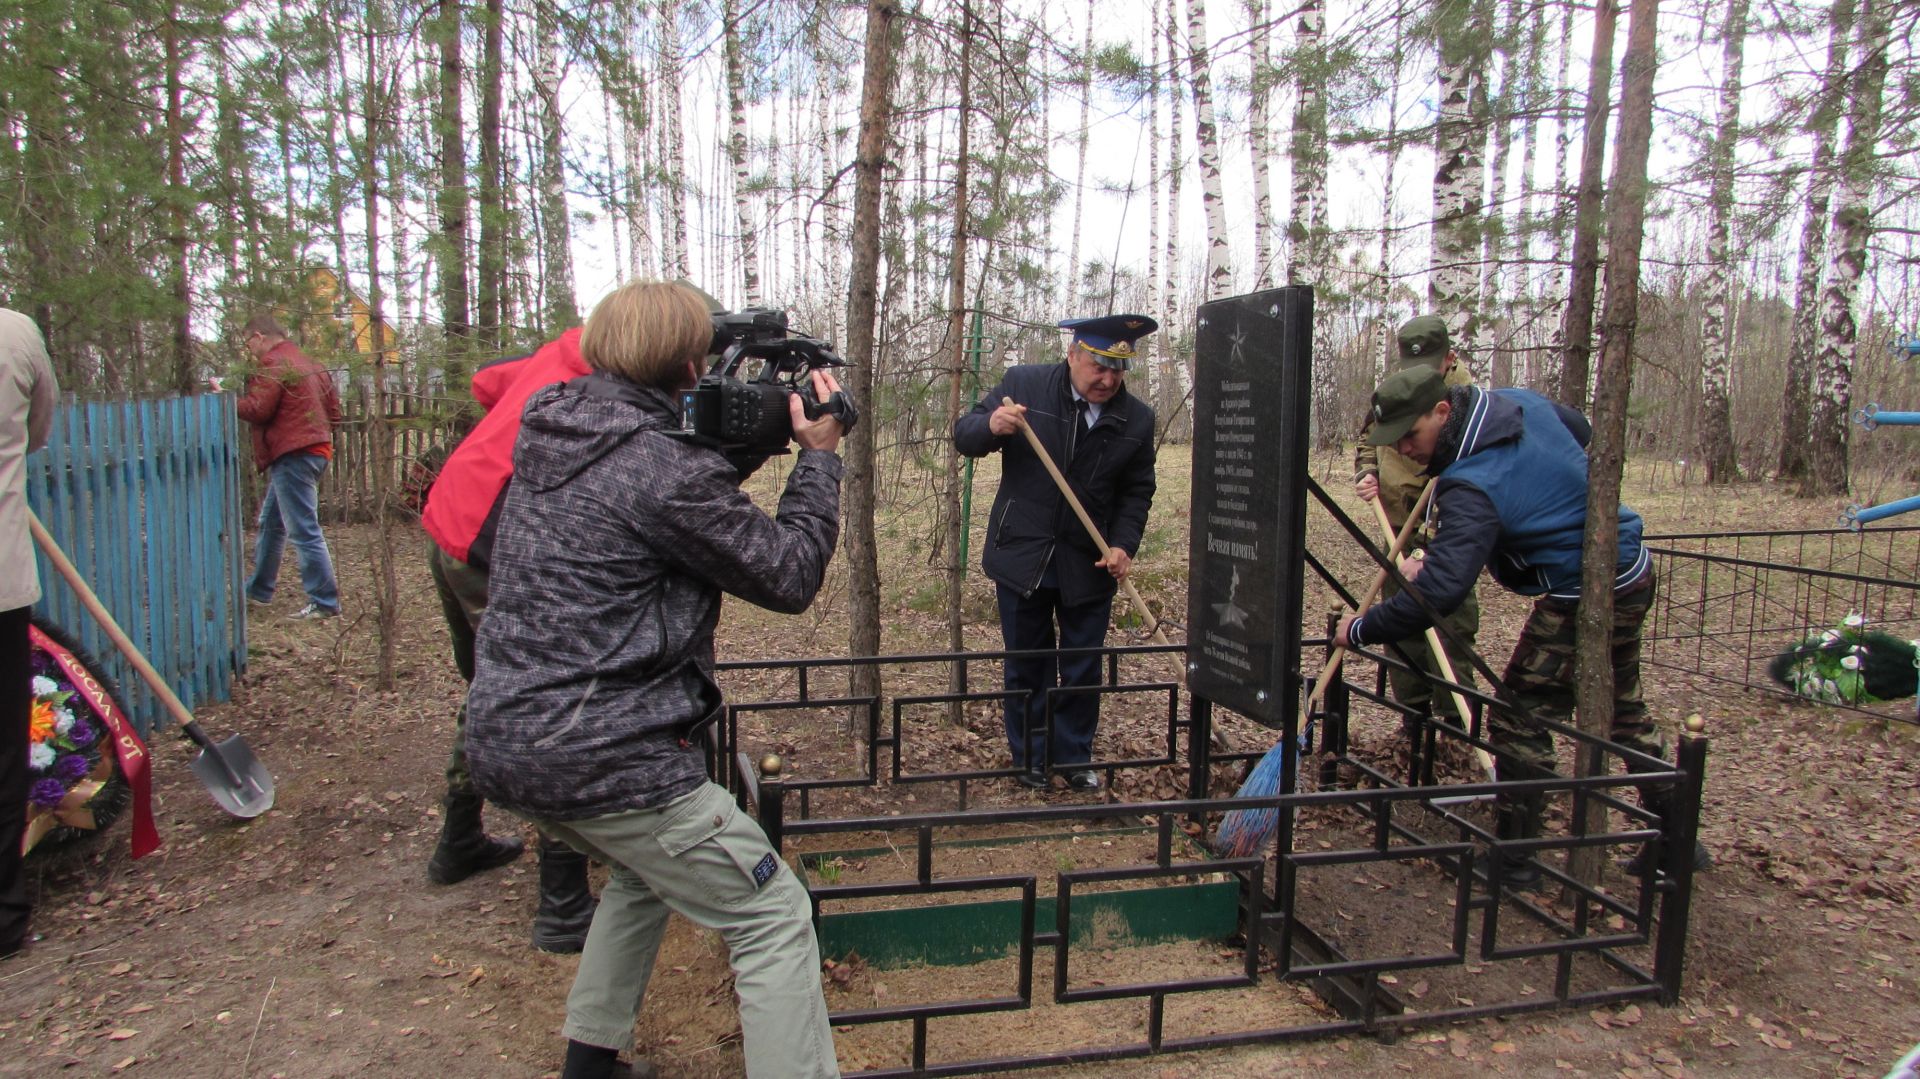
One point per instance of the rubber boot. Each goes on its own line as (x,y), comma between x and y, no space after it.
(464,848)
(1517,816)
(566,903)
(1659,800)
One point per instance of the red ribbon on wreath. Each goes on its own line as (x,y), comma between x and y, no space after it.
(127,746)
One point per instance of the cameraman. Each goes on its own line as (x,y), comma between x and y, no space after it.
(595,672)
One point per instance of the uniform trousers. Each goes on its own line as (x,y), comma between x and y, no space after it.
(1028,623)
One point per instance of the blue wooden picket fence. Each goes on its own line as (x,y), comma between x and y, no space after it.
(143,497)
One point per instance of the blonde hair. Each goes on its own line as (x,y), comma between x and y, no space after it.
(647,332)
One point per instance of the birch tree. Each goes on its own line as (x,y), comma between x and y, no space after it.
(673,154)
(1260,142)
(1308,256)
(1206,134)
(1832,391)
(1822,121)
(737,153)
(1459,175)
(562,310)
(1716,422)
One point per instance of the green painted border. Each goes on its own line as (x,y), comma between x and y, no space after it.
(956,934)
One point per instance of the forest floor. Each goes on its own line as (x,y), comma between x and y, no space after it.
(308,943)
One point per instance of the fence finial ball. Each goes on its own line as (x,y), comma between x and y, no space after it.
(770,765)
(1695,724)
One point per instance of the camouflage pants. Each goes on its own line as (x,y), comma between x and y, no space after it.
(1416,692)
(463,599)
(1541,676)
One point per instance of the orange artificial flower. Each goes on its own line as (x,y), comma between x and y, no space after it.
(40,727)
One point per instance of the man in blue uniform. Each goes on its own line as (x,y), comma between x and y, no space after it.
(1046,569)
(1510,495)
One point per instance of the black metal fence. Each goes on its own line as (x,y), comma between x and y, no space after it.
(1730,602)
(1375,896)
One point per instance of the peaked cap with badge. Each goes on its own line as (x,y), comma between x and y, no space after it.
(1404,397)
(1424,342)
(1110,338)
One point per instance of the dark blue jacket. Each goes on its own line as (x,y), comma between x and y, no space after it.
(1514,500)
(1110,471)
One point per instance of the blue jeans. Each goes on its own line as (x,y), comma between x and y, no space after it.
(291,510)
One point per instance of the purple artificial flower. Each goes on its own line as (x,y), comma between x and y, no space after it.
(72,768)
(82,733)
(47,793)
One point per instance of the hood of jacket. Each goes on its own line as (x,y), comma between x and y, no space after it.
(1479,420)
(568,427)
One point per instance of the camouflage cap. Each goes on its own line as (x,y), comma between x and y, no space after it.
(1424,340)
(1404,397)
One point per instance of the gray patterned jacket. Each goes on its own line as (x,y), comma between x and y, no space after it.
(595,657)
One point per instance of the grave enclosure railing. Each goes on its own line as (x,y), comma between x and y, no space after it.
(1506,952)
(1730,602)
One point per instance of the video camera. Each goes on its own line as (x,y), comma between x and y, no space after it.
(750,416)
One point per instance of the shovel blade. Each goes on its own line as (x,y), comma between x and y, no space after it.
(235,777)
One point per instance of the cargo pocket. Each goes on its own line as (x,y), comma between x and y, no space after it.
(726,856)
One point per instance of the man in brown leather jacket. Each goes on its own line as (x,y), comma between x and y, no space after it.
(292,405)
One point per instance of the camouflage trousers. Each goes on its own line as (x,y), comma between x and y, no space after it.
(1541,676)
(462,590)
(1416,692)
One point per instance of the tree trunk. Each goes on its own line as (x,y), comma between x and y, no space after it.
(1260,90)
(1561,217)
(1795,413)
(561,311)
(1716,422)
(956,525)
(1832,392)
(1157,353)
(737,154)
(1080,158)
(1607,453)
(673,156)
(177,197)
(492,261)
(1459,175)
(1207,138)
(1179,418)
(1309,260)
(386,589)
(863,568)
(453,198)
(1386,351)
(1589,209)
(1522,246)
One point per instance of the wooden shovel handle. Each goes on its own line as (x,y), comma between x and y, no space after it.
(1080,511)
(119,637)
(1439,650)
(1399,543)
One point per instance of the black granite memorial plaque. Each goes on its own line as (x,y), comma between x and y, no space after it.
(1250,417)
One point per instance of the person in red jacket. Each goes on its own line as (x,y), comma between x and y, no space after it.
(291,405)
(462,510)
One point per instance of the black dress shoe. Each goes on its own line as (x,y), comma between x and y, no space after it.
(1084,780)
(1035,780)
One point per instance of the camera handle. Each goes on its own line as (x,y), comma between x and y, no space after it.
(840,406)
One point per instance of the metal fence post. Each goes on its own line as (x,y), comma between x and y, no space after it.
(1682,827)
